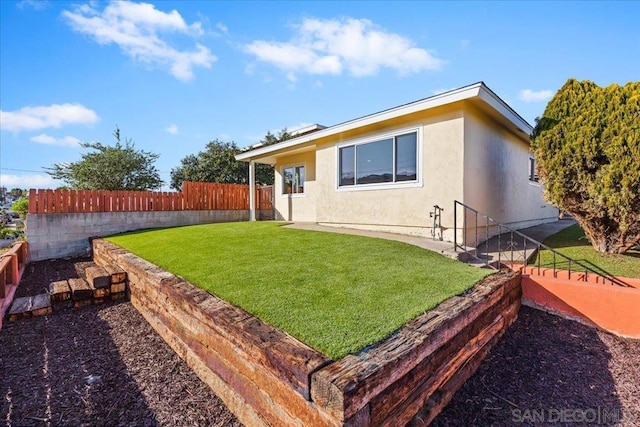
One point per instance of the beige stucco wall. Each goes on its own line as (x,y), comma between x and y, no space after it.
(496,174)
(397,209)
(297,207)
(465,155)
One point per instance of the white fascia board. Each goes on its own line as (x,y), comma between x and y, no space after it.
(488,96)
(468,92)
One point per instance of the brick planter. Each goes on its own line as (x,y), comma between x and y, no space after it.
(267,377)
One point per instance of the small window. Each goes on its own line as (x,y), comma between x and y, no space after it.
(533,170)
(390,160)
(293,178)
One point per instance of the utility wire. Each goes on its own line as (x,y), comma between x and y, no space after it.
(20,170)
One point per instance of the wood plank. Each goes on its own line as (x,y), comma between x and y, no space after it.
(443,395)
(416,397)
(3,284)
(73,200)
(116,288)
(33,204)
(20,308)
(80,290)
(99,293)
(144,201)
(385,402)
(98,277)
(117,274)
(42,208)
(51,201)
(102,201)
(81,204)
(41,304)
(5,268)
(59,291)
(64,196)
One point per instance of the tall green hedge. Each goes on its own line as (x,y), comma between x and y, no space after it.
(587,145)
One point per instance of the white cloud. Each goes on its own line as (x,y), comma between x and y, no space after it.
(356,46)
(222,27)
(50,116)
(28,181)
(34,4)
(135,28)
(67,141)
(172,129)
(528,95)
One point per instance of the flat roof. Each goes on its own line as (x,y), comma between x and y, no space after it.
(477,90)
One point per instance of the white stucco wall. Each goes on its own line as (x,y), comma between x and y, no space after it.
(496,174)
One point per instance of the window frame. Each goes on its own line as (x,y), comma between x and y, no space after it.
(294,166)
(532,175)
(379,137)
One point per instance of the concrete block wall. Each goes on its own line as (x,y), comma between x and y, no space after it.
(67,234)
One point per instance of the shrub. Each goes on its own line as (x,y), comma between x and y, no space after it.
(21,206)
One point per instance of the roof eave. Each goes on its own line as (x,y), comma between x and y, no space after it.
(476,90)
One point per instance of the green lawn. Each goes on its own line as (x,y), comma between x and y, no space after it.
(337,293)
(573,243)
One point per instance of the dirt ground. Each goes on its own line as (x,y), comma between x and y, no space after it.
(104,365)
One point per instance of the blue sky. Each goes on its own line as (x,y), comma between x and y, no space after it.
(173,75)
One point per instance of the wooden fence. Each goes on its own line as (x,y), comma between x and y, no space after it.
(194,196)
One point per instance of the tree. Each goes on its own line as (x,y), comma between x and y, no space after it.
(217,163)
(118,167)
(16,193)
(587,147)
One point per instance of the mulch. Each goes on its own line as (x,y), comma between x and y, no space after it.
(547,370)
(104,365)
(98,365)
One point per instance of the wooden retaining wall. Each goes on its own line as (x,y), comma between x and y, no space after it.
(266,377)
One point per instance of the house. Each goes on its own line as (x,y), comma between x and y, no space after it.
(386,171)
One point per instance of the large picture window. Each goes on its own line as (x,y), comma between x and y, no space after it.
(293,180)
(389,160)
